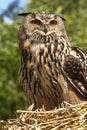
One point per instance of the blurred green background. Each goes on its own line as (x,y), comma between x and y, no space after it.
(75,13)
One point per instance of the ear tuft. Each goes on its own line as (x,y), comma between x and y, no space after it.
(62,18)
(24,14)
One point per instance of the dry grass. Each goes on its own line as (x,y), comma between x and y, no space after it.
(70,117)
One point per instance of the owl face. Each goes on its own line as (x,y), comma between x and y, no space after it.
(42,27)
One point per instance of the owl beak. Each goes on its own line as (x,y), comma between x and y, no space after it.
(45,28)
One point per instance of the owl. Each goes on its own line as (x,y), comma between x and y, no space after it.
(52,69)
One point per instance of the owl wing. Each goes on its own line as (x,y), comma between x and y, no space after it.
(75,70)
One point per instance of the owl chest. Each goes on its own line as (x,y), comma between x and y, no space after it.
(40,74)
(42,64)
(45,60)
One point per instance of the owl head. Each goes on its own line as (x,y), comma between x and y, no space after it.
(41,27)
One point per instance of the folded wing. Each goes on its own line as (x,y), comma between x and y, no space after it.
(75,70)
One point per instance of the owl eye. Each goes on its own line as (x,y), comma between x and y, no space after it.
(53,22)
(36,21)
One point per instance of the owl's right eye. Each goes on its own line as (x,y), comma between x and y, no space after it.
(36,21)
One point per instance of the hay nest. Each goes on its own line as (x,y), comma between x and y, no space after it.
(69,117)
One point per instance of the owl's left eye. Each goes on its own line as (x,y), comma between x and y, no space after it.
(36,21)
(53,22)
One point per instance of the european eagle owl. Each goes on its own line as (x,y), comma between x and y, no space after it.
(52,69)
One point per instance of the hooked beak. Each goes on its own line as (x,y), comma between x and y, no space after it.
(45,28)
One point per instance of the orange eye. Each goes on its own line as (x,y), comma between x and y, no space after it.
(36,21)
(53,22)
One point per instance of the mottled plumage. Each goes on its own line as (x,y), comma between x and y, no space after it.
(52,70)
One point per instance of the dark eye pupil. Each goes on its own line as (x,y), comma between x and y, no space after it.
(36,21)
(53,22)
